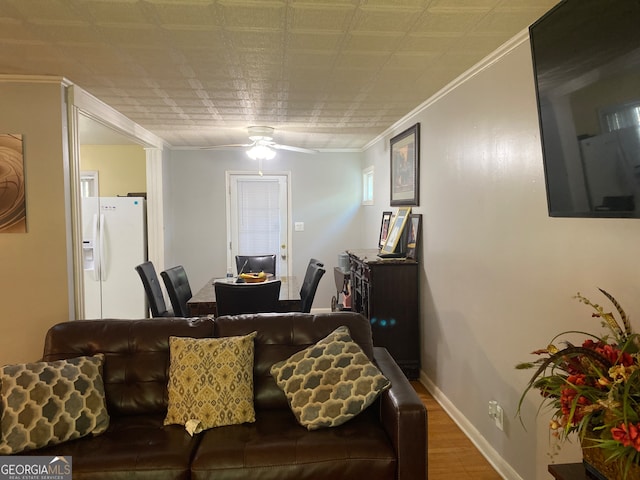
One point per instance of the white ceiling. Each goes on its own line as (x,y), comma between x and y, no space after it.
(327,74)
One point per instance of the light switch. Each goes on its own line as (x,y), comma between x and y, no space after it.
(299,226)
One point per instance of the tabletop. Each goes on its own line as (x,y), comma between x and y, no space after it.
(204,301)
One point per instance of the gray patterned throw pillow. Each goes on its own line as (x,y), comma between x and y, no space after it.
(330,382)
(47,403)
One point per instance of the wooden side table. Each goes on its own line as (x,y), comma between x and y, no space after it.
(569,471)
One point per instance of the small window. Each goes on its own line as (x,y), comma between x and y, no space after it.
(619,117)
(89,183)
(367,186)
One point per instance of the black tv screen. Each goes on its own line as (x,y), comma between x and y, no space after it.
(586,59)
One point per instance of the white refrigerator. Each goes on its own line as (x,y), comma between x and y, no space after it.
(114,242)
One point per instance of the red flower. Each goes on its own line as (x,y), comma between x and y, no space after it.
(577,379)
(568,397)
(610,352)
(628,435)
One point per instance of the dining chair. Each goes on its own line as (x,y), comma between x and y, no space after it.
(178,288)
(238,298)
(256,264)
(312,277)
(152,288)
(313,261)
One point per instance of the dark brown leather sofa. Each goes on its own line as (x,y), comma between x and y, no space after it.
(387,441)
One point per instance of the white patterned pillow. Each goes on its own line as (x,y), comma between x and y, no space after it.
(47,403)
(330,382)
(210,381)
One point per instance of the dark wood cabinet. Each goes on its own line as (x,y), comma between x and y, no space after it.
(385,291)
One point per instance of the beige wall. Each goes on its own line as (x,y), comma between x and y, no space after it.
(122,168)
(498,274)
(34,284)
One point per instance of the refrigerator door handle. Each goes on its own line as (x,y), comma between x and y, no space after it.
(96,249)
(101,250)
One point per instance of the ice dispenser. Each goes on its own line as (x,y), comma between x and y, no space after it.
(88,255)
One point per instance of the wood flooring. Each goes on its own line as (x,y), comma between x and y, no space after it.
(451,455)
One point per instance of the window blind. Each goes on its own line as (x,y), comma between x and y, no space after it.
(258,217)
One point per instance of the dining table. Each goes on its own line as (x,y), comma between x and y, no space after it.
(204,301)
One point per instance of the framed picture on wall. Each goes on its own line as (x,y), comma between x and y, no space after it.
(405,163)
(384,228)
(395,232)
(13,211)
(414,226)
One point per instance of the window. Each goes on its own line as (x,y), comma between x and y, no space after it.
(619,117)
(367,186)
(89,183)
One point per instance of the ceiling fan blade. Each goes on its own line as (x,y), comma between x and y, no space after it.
(293,149)
(227,147)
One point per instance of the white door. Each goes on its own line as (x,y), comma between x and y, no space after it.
(258,218)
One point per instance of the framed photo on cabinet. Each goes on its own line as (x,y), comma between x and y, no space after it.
(395,232)
(384,228)
(414,226)
(405,166)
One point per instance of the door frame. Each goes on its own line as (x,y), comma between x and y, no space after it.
(80,102)
(287,174)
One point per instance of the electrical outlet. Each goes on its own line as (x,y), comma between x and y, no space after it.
(496,412)
(499,418)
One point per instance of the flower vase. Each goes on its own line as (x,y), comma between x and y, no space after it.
(594,461)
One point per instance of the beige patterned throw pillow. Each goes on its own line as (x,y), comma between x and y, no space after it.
(210,381)
(47,403)
(330,382)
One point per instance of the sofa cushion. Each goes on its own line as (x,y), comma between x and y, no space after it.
(330,382)
(276,447)
(133,447)
(47,403)
(211,381)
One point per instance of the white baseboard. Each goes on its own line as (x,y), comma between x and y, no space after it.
(493,457)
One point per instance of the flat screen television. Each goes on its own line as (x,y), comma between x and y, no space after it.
(586,59)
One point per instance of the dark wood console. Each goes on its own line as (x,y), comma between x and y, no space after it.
(385,291)
(569,471)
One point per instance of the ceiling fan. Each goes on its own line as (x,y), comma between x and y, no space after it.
(262,146)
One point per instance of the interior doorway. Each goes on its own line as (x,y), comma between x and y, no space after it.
(93,123)
(114,228)
(258,218)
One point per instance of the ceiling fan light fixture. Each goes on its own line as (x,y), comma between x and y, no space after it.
(261,152)
(260,132)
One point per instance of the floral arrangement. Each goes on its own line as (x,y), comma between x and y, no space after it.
(593,389)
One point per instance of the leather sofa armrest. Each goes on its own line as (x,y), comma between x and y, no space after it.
(404,417)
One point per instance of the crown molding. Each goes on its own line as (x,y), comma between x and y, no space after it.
(65,82)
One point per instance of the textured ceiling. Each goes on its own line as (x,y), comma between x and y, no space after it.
(327,74)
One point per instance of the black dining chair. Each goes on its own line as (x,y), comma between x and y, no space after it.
(312,277)
(313,261)
(238,298)
(256,264)
(152,288)
(178,288)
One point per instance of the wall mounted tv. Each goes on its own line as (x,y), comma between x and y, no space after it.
(586,58)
